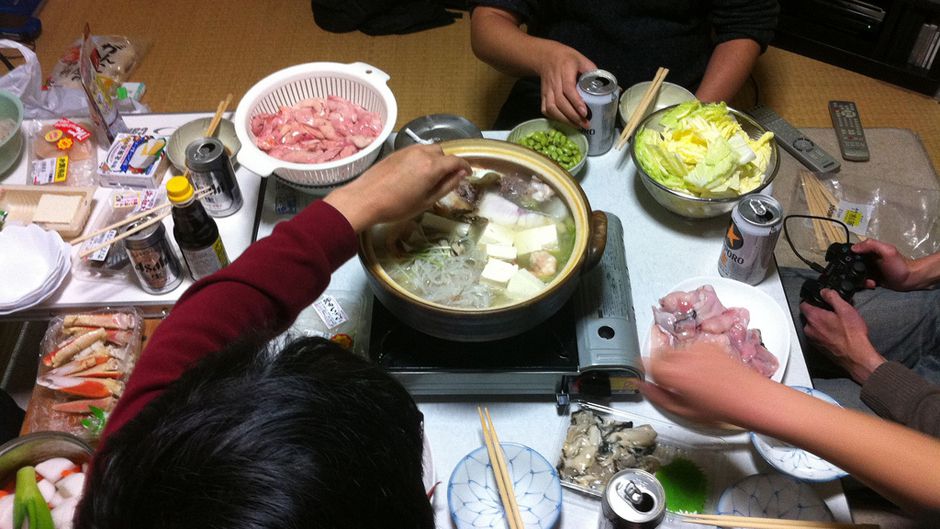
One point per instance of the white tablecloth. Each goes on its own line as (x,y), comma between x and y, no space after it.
(662,249)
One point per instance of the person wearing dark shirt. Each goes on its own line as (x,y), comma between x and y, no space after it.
(709,47)
(216,429)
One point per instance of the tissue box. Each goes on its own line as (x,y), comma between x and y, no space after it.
(135,160)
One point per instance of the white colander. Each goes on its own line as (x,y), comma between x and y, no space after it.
(358,82)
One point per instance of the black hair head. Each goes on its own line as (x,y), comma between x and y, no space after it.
(311,436)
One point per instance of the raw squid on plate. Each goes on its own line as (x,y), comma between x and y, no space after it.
(698,315)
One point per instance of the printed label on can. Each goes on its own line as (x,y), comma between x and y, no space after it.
(330,311)
(155,267)
(217,200)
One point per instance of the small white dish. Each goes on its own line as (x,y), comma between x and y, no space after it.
(473,496)
(766,315)
(795,461)
(773,496)
(38,259)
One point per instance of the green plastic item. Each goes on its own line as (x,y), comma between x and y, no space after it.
(685,485)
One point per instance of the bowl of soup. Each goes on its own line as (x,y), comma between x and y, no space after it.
(495,257)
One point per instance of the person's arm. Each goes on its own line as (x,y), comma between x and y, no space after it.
(897,462)
(728,68)
(263,290)
(742,31)
(898,272)
(895,392)
(497,39)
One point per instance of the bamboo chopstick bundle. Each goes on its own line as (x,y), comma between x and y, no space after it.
(821,203)
(768,523)
(503,478)
(652,92)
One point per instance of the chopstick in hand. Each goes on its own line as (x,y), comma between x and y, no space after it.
(767,523)
(652,92)
(501,472)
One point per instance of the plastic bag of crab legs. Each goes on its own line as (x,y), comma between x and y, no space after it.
(86,359)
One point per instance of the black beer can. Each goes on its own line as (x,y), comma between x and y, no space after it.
(211,168)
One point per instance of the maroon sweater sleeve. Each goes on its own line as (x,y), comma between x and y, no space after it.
(264,289)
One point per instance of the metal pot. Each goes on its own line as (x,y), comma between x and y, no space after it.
(477,325)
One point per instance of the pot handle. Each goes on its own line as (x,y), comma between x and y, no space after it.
(597,242)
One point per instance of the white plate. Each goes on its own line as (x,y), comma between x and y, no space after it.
(773,496)
(795,461)
(766,315)
(37,259)
(473,496)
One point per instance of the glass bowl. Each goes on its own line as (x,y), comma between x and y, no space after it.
(688,205)
(34,448)
(525,128)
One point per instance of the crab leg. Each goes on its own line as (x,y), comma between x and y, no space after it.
(111,368)
(115,336)
(113,320)
(66,351)
(83,387)
(81,364)
(84,406)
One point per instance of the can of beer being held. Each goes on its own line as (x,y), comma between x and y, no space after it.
(633,499)
(749,242)
(600,93)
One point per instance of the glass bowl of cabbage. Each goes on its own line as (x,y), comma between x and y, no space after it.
(698,159)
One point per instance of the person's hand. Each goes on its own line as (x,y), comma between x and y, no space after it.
(895,271)
(844,334)
(559,70)
(402,185)
(693,381)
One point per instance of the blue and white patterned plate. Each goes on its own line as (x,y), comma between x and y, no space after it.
(474,497)
(795,461)
(773,496)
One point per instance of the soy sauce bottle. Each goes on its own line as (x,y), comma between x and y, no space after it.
(194,230)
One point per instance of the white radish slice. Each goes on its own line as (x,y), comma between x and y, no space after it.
(71,485)
(63,514)
(47,489)
(52,469)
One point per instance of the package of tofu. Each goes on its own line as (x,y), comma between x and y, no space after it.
(61,153)
(134,160)
(110,263)
(63,209)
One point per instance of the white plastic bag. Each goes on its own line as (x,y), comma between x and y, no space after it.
(26,82)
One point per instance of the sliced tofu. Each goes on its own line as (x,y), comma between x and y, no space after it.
(524,285)
(528,241)
(444,225)
(496,234)
(498,272)
(506,252)
(57,209)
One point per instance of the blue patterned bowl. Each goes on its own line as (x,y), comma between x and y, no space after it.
(795,461)
(474,497)
(773,496)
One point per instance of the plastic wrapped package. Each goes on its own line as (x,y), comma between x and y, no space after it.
(111,262)
(117,57)
(897,214)
(623,440)
(337,315)
(61,152)
(85,361)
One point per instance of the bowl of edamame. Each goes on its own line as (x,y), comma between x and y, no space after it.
(559,142)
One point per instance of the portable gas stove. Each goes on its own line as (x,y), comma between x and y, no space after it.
(588,348)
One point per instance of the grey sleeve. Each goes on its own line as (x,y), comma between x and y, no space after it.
(895,392)
(745,19)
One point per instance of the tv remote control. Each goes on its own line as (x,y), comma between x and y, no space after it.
(849,130)
(795,142)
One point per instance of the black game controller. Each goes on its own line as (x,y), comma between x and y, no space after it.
(846,272)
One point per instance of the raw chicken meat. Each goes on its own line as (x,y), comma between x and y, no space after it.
(316,130)
(699,315)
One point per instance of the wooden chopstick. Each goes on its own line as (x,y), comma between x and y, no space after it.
(202,193)
(217,118)
(768,523)
(652,92)
(135,229)
(503,478)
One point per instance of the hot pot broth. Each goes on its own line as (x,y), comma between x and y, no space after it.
(500,238)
